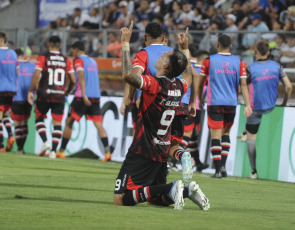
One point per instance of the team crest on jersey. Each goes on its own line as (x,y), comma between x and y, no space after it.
(174,93)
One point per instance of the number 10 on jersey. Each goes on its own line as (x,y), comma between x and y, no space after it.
(56,76)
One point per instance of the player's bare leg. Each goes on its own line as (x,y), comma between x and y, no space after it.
(66,137)
(104,138)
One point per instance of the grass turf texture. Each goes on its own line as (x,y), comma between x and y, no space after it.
(39,193)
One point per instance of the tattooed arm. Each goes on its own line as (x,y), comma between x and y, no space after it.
(128,73)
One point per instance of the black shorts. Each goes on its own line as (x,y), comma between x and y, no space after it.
(78,109)
(221,116)
(5,101)
(191,122)
(57,110)
(20,110)
(137,172)
(177,127)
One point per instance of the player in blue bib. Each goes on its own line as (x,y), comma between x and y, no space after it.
(8,76)
(21,109)
(263,77)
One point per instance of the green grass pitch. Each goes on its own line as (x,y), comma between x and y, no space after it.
(39,193)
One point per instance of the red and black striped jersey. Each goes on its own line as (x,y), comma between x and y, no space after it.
(161,96)
(55,68)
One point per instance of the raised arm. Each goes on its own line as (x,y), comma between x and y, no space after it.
(128,73)
(183,44)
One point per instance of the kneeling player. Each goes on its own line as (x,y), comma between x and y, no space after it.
(86,101)
(143,174)
(21,109)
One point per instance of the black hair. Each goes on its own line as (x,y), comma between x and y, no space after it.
(193,49)
(160,18)
(165,33)
(153,29)
(78,45)
(3,36)
(19,52)
(54,41)
(77,9)
(177,63)
(224,40)
(202,54)
(53,25)
(282,36)
(262,47)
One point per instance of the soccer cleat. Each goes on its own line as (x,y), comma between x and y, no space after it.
(107,157)
(217,175)
(60,154)
(46,146)
(176,194)
(201,166)
(223,172)
(187,169)
(10,143)
(2,150)
(196,195)
(242,137)
(52,155)
(253,176)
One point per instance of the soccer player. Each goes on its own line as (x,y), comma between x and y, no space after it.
(143,174)
(225,71)
(87,98)
(21,109)
(55,70)
(8,76)
(192,124)
(144,63)
(263,77)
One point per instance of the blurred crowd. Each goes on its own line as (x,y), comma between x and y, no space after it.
(275,19)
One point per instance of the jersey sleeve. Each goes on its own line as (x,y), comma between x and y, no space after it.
(70,68)
(185,86)
(205,67)
(242,70)
(150,85)
(141,60)
(17,64)
(282,72)
(78,64)
(40,64)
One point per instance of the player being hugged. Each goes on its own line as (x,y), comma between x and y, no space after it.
(54,69)
(143,174)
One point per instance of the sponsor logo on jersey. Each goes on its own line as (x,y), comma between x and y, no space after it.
(225,69)
(8,61)
(53,91)
(92,67)
(158,142)
(266,76)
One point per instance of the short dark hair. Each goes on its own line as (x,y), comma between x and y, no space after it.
(193,49)
(153,29)
(54,41)
(77,9)
(224,40)
(19,52)
(165,33)
(160,18)
(78,45)
(3,36)
(177,63)
(202,54)
(262,47)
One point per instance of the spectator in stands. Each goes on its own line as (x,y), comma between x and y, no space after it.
(257,9)
(158,7)
(144,11)
(231,27)
(124,18)
(223,5)
(114,46)
(160,20)
(186,11)
(276,28)
(214,15)
(176,12)
(280,41)
(209,43)
(288,53)
(249,39)
(111,16)
(291,12)
(64,24)
(288,25)
(245,20)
